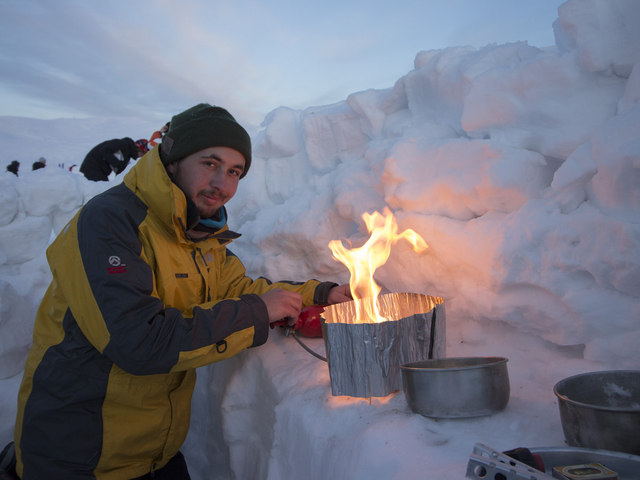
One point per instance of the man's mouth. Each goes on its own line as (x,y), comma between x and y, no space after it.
(213,197)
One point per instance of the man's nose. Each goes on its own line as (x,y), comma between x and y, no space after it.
(218,179)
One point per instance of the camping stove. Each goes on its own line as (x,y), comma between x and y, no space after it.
(364,358)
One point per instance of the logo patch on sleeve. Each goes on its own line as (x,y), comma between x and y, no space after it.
(116,265)
(182,275)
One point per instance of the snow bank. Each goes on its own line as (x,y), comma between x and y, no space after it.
(518,165)
(33,209)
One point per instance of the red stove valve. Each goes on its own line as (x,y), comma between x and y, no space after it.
(308,323)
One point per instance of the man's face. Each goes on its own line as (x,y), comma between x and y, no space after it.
(209,177)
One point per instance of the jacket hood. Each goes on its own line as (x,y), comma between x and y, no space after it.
(149,180)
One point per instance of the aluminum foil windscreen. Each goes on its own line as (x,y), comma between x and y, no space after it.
(364,358)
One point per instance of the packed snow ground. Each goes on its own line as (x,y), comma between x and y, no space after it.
(519,165)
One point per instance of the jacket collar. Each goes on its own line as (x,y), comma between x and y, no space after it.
(149,180)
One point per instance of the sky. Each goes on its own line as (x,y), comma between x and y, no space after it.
(154,58)
(519,168)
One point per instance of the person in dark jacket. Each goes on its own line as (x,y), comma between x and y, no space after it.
(111,156)
(13,167)
(145,290)
(38,164)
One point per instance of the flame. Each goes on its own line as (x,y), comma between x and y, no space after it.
(362,262)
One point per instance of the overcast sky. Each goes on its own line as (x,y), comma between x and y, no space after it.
(154,58)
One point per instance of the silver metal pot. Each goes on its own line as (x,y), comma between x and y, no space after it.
(456,387)
(364,358)
(601,410)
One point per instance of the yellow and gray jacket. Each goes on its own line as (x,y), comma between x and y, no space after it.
(133,308)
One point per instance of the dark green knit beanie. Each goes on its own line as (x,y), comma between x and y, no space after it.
(201,127)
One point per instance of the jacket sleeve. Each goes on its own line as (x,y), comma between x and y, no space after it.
(313,292)
(109,288)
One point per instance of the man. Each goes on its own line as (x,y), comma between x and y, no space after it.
(111,156)
(144,291)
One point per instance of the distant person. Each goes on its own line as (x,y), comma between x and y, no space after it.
(111,156)
(158,134)
(38,164)
(13,167)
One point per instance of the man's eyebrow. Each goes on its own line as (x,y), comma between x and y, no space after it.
(212,155)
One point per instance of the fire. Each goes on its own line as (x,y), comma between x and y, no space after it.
(362,262)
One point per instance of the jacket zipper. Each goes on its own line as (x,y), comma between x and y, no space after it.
(204,279)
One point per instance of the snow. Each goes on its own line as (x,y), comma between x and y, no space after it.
(520,167)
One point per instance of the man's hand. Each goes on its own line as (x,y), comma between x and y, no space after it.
(339,294)
(282,304)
